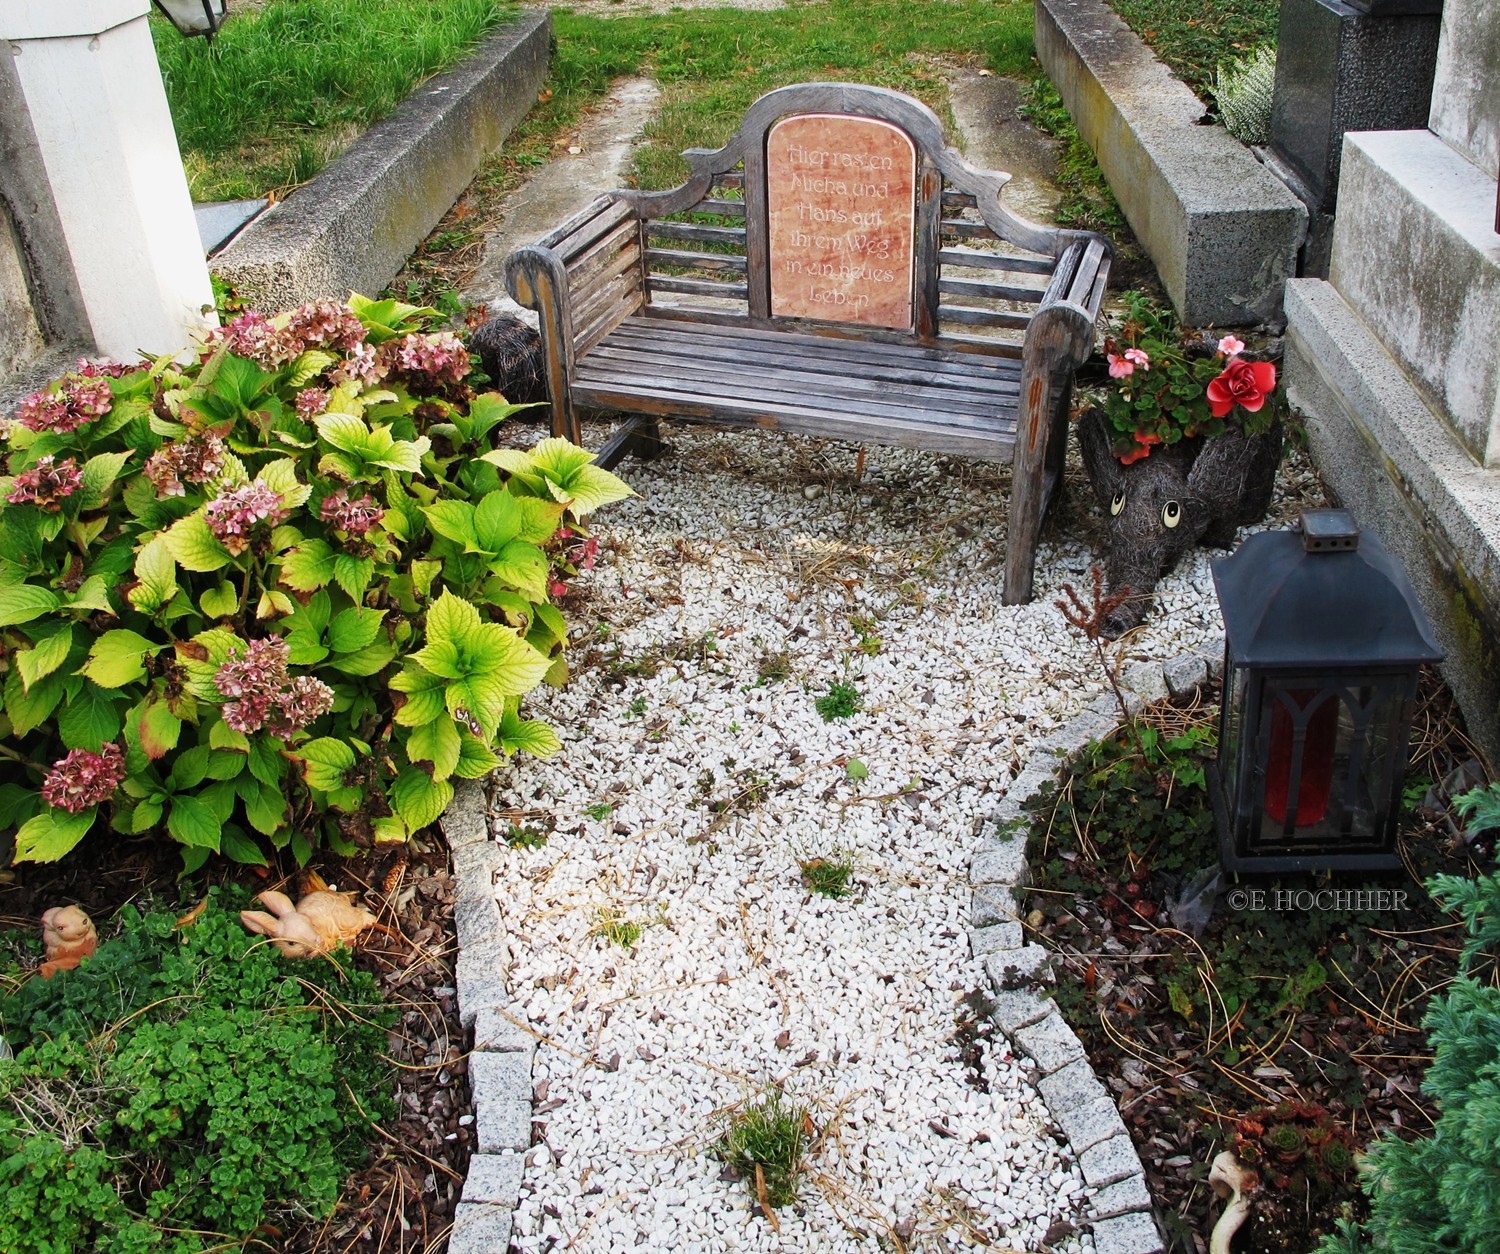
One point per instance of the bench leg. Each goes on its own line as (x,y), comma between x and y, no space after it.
(1027,489)
(638,436)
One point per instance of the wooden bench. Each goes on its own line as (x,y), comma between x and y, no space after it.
(834,270)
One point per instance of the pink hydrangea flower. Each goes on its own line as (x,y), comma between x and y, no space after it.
(105,369)
(254,336)
(363,365)
(356,517)
(84,779)
(234,514)
(311,402)
(196,459)
(324,323)
(1231,346)
(1120,367)
(47,483)
(432,360)
(264,694)
(1139,356)
(77,400)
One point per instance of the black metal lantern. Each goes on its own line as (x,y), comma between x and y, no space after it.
(1323,639)
(195,17)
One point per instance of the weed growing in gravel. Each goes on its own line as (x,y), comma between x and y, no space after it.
(616,928)
(599,811)
(773,668)
(828,876)
(525,838)
(638,707)
(764,1143)
(842,700)
(868,640)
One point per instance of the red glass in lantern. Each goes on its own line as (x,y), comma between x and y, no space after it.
(1317,758)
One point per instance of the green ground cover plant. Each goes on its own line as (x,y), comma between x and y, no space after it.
(1442,1192)
(181,1091)
(1194,38)
(765,1142)
(287,84)
(1271,1031)
(281,593)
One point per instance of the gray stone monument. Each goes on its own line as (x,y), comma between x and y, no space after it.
(1360,65)
(1393,360)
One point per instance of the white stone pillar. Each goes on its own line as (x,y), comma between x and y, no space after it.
(93,89)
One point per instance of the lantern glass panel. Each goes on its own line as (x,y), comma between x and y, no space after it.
(1232,725)
(1327,763)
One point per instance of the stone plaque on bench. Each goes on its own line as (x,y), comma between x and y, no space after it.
(841,206)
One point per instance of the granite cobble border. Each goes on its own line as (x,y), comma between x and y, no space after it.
(1119,1212)
(500,1061)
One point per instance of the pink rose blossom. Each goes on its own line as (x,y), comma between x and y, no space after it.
(84,779)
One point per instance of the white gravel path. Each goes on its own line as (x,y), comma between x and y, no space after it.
(746,553)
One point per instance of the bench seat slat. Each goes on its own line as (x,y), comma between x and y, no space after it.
(799,380)
(678,369)
(848,350)
(1001,378)
(741,410)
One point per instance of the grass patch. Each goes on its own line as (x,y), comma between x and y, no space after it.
(711,65)
(1193,39)
(286,87)
(827,876)
(764,1143)
(1087,202)
(842,700)
(616,929)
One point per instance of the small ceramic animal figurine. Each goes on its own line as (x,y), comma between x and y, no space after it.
(318,924)
(69,937)
(1197,492)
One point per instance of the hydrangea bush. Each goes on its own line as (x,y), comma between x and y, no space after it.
(286,593)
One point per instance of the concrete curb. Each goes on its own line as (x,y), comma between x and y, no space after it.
(1221,228)
(352,226)
(500,1062)
(1120,1211)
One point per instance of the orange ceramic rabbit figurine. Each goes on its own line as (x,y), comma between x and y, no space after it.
(319,923)
(69,937)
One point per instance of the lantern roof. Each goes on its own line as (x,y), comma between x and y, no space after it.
(1324,594)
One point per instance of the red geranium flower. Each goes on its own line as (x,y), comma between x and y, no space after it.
(1242,383)
(1143,442)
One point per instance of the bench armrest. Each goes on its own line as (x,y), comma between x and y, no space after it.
(583,278)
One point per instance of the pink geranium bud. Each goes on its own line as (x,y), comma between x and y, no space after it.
(1119,368)
(1231,347)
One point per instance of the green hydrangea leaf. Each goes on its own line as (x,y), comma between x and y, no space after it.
(354,628)
(532,735)
(475,758)
(21,602)
(436,742)
(52,834)
(453,520)
(324,762)
(308,567)
(497,520)
(159,729)
(156,577)
(90,717)
(281,476)
(192,822)
(219,602)
(99,475)
(424,696)
(353,574)
(418,798)
(193,545)
(115,659)
(45,656)
(238,847)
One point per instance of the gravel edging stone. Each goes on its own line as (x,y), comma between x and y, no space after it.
(1082,1106)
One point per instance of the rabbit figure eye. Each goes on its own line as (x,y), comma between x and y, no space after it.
(1171,513)
(1116,504)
